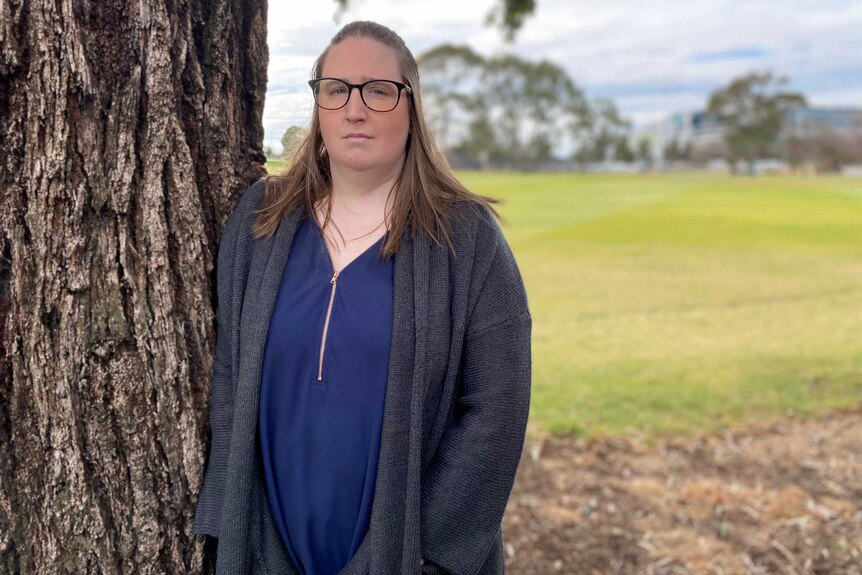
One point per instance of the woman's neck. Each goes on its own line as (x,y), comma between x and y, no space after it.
(359,203)
(360,198)
(358,208)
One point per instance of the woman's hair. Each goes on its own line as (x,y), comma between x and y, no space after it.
(424,191)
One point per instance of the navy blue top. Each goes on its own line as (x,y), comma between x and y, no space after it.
(320,439)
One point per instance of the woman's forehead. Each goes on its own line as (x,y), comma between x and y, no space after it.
(361,59)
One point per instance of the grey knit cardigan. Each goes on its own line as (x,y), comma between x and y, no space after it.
(455,411)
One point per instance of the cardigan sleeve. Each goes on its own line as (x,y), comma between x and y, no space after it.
(230,283)
(467,485)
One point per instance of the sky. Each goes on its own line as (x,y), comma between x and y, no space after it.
(652,57)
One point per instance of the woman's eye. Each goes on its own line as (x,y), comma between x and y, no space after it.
(379,91)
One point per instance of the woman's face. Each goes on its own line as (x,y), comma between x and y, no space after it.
(359,139)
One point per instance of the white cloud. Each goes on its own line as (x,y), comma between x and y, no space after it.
(652,57)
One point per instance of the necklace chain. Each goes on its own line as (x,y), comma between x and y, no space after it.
(332,228)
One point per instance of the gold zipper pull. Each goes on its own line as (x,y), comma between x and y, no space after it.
(332,282)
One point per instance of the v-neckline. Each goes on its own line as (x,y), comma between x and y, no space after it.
(322,240)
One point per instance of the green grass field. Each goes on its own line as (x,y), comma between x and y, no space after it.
(678,304)
(681,304)
(275,166)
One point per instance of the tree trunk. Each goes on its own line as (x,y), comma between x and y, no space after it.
(127,131)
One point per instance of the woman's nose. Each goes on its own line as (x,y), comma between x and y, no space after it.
(356,109)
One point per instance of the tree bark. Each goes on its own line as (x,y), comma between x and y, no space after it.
(128,129)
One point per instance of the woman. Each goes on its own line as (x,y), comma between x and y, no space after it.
(372,374)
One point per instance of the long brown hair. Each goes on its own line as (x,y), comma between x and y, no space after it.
(425,190)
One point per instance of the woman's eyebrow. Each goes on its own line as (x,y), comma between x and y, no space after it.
(364,79)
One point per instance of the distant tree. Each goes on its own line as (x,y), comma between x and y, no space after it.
(480,147)
(830,150)
(643,152)
(623,151)
(509,16)
(506,15)
(675,151)
(540,148)
(451,80)
(816,144)
(604,134)
(596,152)
(752,109)
(796,149)
(556,109)
(534,106)
(503,111)
(290,141)
(705,152)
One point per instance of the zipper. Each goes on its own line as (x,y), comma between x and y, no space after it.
(333,283)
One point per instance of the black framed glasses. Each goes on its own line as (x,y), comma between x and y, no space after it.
(377,95)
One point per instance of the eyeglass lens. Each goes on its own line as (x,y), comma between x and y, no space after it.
(380,95)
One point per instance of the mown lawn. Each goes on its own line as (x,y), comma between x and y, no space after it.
(677,304)
(275,166)
(681,304)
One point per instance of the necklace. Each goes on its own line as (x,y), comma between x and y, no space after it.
(331,229)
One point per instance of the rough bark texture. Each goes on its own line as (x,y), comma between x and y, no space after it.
(127,131)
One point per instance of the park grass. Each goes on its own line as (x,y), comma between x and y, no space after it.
(275,166)
(682,304)
(686,303)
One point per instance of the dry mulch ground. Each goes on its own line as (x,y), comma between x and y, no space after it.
(784,499)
